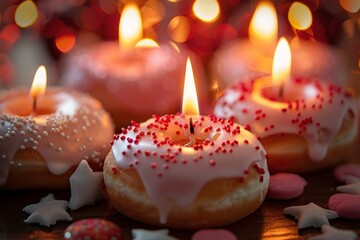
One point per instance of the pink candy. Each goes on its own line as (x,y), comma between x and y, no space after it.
(286,186)
(346,205)
(214,234)
(93,228)
(342,171)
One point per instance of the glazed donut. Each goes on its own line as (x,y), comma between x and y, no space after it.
(153,176)
(42,149)
(313,129)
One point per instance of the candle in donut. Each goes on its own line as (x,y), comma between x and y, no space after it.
(133,79)
(248,59)
(305,124)
(186,170)
(44,135)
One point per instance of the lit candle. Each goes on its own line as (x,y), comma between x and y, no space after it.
(38,86)
(43,136)
(176,157)
(132,81)
(248,59)
(302,121)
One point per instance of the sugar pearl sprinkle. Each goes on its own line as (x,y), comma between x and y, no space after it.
(317,117)
(55,136)
(153,149)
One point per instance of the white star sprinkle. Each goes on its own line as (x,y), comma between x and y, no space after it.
(85,186)
(331,233)
(352,186)
(48,211)
(142,234)
(310,215)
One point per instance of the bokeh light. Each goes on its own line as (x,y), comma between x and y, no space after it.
(152,12)
(65,40)
(206,10)
(180,29)
(350,5)
(26,14)
(10,34)
(263,29)
(300,16)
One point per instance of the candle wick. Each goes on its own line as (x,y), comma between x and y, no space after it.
(192,130)
(34,104)
(281,91)
(192,134)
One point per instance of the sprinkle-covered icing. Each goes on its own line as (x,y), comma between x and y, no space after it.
(64,129)
(312,109)
(170,170)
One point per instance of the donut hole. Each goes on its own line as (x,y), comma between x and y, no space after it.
(279,93)
(23,106)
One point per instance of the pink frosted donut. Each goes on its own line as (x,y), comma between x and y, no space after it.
(41,150)
(151,175)
(131,86)
(311,127)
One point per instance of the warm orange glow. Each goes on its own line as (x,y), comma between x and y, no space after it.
(39,83)
(281,69)
(146,43)
(300,16)
(130,26)
(206,10)
(263,27)
(350,5)
(190,104)
(179,29)
(65,42)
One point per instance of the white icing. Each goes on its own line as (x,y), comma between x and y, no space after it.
(85,186)
(352,185)
(67,132)
(48,211)
(142,234)
(311,215)
(331,233)
(174,172)
(312,109)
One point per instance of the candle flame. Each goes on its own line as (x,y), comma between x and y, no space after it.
(146,43)
(206,10)
(39,82)
(130,26)
(300,16)
(190,104)
(281,69)
(264,24)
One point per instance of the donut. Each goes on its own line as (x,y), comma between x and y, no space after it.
(175,172)
(152,74)
(41,150)
(312,128)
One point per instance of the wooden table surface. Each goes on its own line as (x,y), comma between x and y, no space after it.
(268,222)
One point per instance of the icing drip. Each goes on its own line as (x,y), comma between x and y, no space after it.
(311,109)
(172,172)
(63,137)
